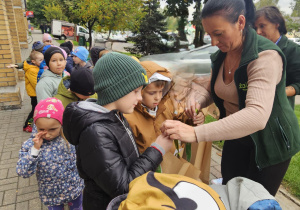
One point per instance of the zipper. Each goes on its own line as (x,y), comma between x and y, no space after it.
(131,137)
(285,138)
(256,161)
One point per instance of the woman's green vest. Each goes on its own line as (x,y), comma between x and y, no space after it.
(280,139)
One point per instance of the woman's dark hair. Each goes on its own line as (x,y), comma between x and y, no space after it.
(273,15)
(230,10)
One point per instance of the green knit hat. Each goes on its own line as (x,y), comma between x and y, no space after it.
(116,75)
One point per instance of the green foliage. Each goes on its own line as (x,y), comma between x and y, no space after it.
(75,43)
(37,6)
(130,54)
(209,119)
(179,8)
(263,3)
(121,15)
(53,11)
(292,178)
(295,6)
(291,26)
(148,40)
(172,23)
(199,32)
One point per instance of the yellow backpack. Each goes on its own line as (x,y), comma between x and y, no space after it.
(156,191)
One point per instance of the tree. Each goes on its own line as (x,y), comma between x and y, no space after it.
(291,25)
(37,6)
(87,12)
(172,23)
(295,6)
(121,15)
(263,3)
(179,8)
(53,11)
(148,39)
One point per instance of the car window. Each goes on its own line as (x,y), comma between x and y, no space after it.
(82,30)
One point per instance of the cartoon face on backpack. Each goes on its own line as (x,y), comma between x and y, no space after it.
(170,191)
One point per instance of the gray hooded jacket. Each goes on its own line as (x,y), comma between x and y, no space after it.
(48,85)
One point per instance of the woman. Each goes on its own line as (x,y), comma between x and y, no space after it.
(248,86)
(270,24)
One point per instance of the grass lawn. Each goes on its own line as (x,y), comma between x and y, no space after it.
(129,54)
(74,42)
(292,179)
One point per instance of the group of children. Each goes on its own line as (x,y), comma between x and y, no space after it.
(110,150)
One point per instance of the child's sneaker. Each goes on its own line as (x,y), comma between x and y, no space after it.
(28,129)
(217,181)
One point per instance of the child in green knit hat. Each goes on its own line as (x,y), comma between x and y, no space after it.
(108,158)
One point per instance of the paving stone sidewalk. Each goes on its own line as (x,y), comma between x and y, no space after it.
(17,193)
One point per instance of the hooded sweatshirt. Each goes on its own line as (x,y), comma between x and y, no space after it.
(31,72)
(144,124)
(107,156)
(48,85)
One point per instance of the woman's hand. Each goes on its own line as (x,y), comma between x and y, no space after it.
(165,142)
(199,119)
(38,140)
(192,105)
(178,130)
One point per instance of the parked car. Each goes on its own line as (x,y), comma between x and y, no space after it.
(196,61)
(294,39)
(207,39)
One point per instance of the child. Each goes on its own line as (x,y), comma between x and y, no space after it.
(108,158)
(80,56)
(52,159)
(36,46)
(47,39)
(155,107)
(50,79)
(70,62)
(96,54)
(78,86)
(31,71)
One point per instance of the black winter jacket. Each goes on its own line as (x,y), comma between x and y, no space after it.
(107,155)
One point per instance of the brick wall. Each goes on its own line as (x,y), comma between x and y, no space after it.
(22,27)
(13,30)
(9,93)
(10,100)
(21,21)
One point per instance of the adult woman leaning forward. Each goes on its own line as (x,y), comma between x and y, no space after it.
(248,86)
(270,24)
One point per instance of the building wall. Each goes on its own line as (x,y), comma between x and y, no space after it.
(21,21)
(10,96)
(13,30)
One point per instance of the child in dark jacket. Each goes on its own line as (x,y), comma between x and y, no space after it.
(53,160)
(80,56)
(66,46)
(107,155)
(79,86)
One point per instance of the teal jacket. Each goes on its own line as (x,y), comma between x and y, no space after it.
(280,139)
(291,50)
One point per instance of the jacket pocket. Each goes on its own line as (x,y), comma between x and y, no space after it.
(283,134)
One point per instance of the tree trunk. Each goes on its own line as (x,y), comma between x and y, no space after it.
(90,36)
(181,25)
